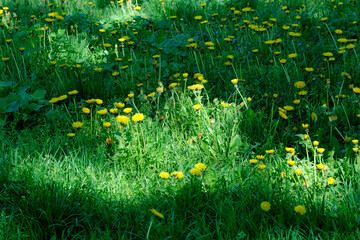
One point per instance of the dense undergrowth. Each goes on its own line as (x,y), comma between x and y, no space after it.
(179,119)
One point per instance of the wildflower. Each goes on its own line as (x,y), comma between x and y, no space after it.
(302,93)
(291,162)
(107,124)
(327,54)
(86,110)
(127,110)
(228,64)
(292,55)
(74,92)
(164,175)
(172,85)
(138,117)
(331,180)
(197,106)
(156,213)
(109,142)
(102,112)
(234,81)
(320,166)
(320,150)
(120,105)
(299,84)
(315,143)
(122,119)
(54,100)
(300,209)
(195,171)
(71,135)
(114,110)
(180,175)
(225,105)
(355,149)
(355,141)
(289,108)
(342,40)
(265,206)
(77,124)
(282,61)
(200,166)
(282,174)
(305,125)
(338,31)
(314,117)
(309,69)
(283,115)
(253,161)
(306,136)
(350,46)
(90,101)
(62,97)
(298,172)
(151,94)
(356,90)
(260,157)
(99,101)
(262,166)
(271,151)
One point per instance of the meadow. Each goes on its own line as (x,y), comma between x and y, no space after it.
(179,119)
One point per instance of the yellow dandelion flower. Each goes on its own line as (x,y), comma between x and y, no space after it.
(283,115)
(164,175)
(138,117)
(197,106)
(200,166)
(271,151)
(331,180)
(300,209)
(156,213)
(77,124)
(74,92)
(291,162)
(195,171)
(123,119)
(265,206)
(127,110)
(86,110)
(262,166)
(253,161)
(102,112)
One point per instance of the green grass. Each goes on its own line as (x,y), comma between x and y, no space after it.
(102,182)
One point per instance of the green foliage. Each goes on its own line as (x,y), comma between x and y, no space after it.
(230,119)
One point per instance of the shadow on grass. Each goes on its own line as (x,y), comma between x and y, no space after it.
(196,210)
